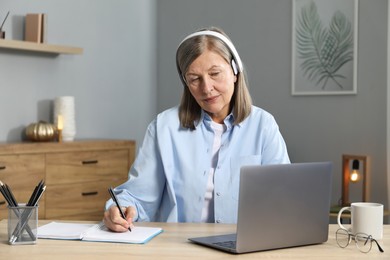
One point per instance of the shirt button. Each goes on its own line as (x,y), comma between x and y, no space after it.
(218,194)
(218,221)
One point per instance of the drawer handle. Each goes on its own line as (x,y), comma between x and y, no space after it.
(2,167)
(2,202)
(91,193)
(90,162)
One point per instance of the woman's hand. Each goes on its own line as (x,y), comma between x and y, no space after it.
(114,221)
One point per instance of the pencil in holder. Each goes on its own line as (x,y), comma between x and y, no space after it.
(22,225)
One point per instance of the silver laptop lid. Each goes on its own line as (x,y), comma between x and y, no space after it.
(283,205)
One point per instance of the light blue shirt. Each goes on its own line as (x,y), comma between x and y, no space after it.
(168,179)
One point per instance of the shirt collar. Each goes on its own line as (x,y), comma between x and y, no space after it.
(206,119)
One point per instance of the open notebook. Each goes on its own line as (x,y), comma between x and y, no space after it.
(96,233)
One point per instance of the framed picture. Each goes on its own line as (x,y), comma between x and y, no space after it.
(324,47)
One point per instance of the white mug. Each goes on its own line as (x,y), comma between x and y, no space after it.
(366,217)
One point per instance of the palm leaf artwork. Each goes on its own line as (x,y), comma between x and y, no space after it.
(323,51)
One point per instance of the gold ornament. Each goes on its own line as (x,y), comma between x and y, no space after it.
(41,132)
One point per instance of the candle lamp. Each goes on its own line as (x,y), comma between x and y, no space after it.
(60,126)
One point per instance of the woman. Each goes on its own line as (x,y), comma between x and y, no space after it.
(187,169)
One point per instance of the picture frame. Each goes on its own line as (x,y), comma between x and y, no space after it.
(324,47)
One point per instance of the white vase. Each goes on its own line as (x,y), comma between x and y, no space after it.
(65,106)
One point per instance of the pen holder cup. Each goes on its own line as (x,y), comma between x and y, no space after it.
(22,225)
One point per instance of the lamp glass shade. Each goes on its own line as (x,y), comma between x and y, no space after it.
(355,176)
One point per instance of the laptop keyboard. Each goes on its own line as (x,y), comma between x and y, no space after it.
(226,244)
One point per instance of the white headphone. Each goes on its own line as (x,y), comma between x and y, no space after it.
(235,62)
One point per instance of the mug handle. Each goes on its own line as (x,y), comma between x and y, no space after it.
(339,217)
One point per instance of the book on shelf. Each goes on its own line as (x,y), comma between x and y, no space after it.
(44,29)
(96,233)
(35,28)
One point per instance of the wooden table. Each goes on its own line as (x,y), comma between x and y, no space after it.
(173,244)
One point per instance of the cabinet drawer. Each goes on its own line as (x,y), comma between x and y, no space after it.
(84,199)
(79,167)
(22,173)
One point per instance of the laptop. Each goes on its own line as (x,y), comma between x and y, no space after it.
(280,206)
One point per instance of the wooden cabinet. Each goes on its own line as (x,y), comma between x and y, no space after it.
(21,172)
(85,176)
(77,175)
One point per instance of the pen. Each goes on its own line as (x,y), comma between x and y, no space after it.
(9,197)
(36,193)
(112,194)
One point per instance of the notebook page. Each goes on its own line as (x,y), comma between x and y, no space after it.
(138,235)
(57,230)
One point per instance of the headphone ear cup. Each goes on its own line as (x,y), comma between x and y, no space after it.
(234,67)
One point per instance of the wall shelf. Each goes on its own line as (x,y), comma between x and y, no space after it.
(39,47)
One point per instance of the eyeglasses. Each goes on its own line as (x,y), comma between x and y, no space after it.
(362,241)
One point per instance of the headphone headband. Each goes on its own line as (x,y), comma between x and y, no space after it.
(236,62)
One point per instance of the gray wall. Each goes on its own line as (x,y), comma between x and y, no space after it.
(316,128)
(113,81)
(128,42)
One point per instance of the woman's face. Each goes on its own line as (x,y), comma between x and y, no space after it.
(210,80)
